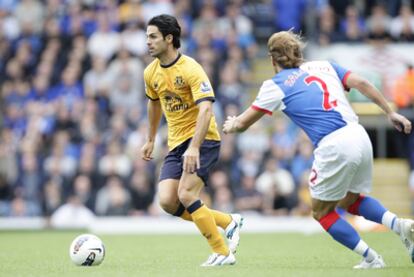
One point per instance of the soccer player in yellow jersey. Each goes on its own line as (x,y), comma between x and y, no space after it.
(177,86)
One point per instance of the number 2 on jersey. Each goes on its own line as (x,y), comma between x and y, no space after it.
(326,104)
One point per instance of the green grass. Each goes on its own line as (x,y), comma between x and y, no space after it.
(46,254)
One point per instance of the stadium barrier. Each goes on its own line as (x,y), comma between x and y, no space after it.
(171,225)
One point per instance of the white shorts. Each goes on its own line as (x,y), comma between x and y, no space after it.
(343,163)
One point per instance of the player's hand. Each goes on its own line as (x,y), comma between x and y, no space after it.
(229,125)
(191,160)
(146,151)
(401,123)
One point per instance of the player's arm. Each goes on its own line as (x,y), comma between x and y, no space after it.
(268,99)
(192,154)
(154,113)
(366,88)
(236,124)
(205,112)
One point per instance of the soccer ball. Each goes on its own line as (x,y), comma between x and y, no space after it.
(87,250)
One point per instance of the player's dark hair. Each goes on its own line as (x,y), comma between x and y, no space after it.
(168,25)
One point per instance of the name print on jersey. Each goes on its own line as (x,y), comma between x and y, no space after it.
(293,77)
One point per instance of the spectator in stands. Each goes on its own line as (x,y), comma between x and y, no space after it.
(33,18)
(124,96)
(30,178)
(83,190)
(289,14)
(303,159)
(142,193)
(104,42)
(378,25)
(118,130)
(127,66)
(231,91)
(277,187)
(221,191)
(53,195)
(72,214)
(59,163)
(283,142)
(5,191)
(327,32)
(40,91)
(20,207)
(131,11)
(304,205)
(247,197)
(113,199)
(223,200)
(9,25)
(97,80)
(402,26)
(353,25)
(133,38)
(114,161)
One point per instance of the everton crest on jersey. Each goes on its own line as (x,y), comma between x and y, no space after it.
(179,82)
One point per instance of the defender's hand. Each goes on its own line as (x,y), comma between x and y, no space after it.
(230,124)
(146,151)
(401,123)
(191,160)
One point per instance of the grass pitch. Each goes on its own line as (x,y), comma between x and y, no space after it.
(46,254)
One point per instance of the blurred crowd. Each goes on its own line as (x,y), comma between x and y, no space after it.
(73,106)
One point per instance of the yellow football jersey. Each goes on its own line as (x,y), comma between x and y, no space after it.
(180,86)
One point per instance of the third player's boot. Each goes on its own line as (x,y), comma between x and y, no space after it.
(407,236)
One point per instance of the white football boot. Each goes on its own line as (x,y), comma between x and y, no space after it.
(233,232)
(378,262)
(407,236)
(216,259)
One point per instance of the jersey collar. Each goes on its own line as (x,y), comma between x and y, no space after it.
(172,63)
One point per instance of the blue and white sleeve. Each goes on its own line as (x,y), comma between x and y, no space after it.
(269,98)
(342,73)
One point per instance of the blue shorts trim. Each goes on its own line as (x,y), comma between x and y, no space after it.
(172,168)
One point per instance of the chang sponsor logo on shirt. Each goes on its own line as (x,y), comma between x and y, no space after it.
(174,103)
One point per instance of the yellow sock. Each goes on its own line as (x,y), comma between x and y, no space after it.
(204,220)
(222,219)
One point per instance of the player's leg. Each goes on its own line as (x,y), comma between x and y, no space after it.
(188,194)
(167,195)
(341,231)
(209,154)
(369,207)
(334,166)
(171,172)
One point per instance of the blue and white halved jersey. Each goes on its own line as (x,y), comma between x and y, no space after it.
(312,96)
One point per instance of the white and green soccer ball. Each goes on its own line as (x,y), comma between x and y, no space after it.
(87,250)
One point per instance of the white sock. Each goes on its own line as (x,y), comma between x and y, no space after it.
(391,221)
(363,249)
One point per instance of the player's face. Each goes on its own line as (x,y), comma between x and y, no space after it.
(157,45)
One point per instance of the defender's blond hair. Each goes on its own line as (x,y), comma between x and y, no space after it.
(286,49)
